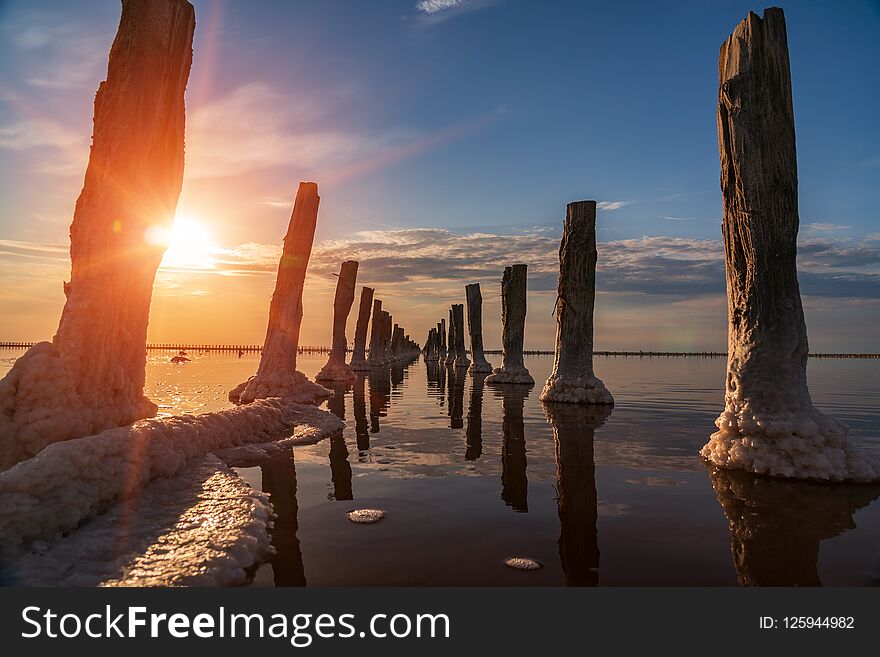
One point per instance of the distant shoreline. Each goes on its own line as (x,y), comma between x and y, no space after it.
(255,348)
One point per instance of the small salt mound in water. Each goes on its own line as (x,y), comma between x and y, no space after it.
(366,516)
(522,563)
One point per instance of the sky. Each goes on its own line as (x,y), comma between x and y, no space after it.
(446,137)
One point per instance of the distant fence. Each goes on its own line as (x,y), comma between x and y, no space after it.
(256,348)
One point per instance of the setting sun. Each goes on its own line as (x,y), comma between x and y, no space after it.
(190,244)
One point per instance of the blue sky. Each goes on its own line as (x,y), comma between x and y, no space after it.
(474,122)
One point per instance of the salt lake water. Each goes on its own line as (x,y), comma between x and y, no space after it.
(470,475)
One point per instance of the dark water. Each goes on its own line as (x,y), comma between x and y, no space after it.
(470,475)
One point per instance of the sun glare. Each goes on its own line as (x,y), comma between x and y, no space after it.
(189,243)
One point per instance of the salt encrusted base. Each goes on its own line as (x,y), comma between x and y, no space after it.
(336,372)
(462,362)
(202,527)
(576,390)
(480,368)
(295,388)
(801,445)
(359,365)
(50,494)
(501,375)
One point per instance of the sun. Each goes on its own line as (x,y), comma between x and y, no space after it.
(190,245)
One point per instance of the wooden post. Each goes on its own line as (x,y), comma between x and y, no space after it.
(336,369)
(359,353)
(91,376)
(475,329)
(513,320)
(769,425)
(572,379)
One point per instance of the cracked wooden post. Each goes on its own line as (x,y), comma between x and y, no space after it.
(513,320)
(375,329)
(91,376)
(359,352)
(336,368)
(277,375)
(461,359)
(475,329)
(572,379)
(441,329)
(769,424)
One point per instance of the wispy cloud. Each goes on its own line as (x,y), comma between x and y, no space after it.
(609,206)
(432,12)
(821,227)
(67,53)
(663,216)
(46,146)
(258,127)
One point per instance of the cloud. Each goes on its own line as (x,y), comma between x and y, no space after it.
(67,53)
(662,216)
(435,6)
(256,126)
(668,266)
(821,227)
(432,12)
(34,250)
(46,145)
(609,206)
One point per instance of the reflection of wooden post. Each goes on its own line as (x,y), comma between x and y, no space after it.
(577,502)
(769,424)
(514,482)
(359,408)
(91,376)
(474,428)
(475,328)
(572,379)
(359,352)
(776,526)
(277,375)
(336,369)
(279,480)
(456,398)
(340,468)
(513,320)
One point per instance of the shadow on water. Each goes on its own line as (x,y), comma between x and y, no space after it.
(474,429)
(514,482)
(574,426)
(279,481)
(776,525)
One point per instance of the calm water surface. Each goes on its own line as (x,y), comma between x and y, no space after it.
(471,474)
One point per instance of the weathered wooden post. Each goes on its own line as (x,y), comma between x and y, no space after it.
(277,375)
(475,328)
(91,376)
(450,351)
(374,358)
(461,359)
(572,379)
(359,352)
(769,424)
(336,369)
(513,319)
